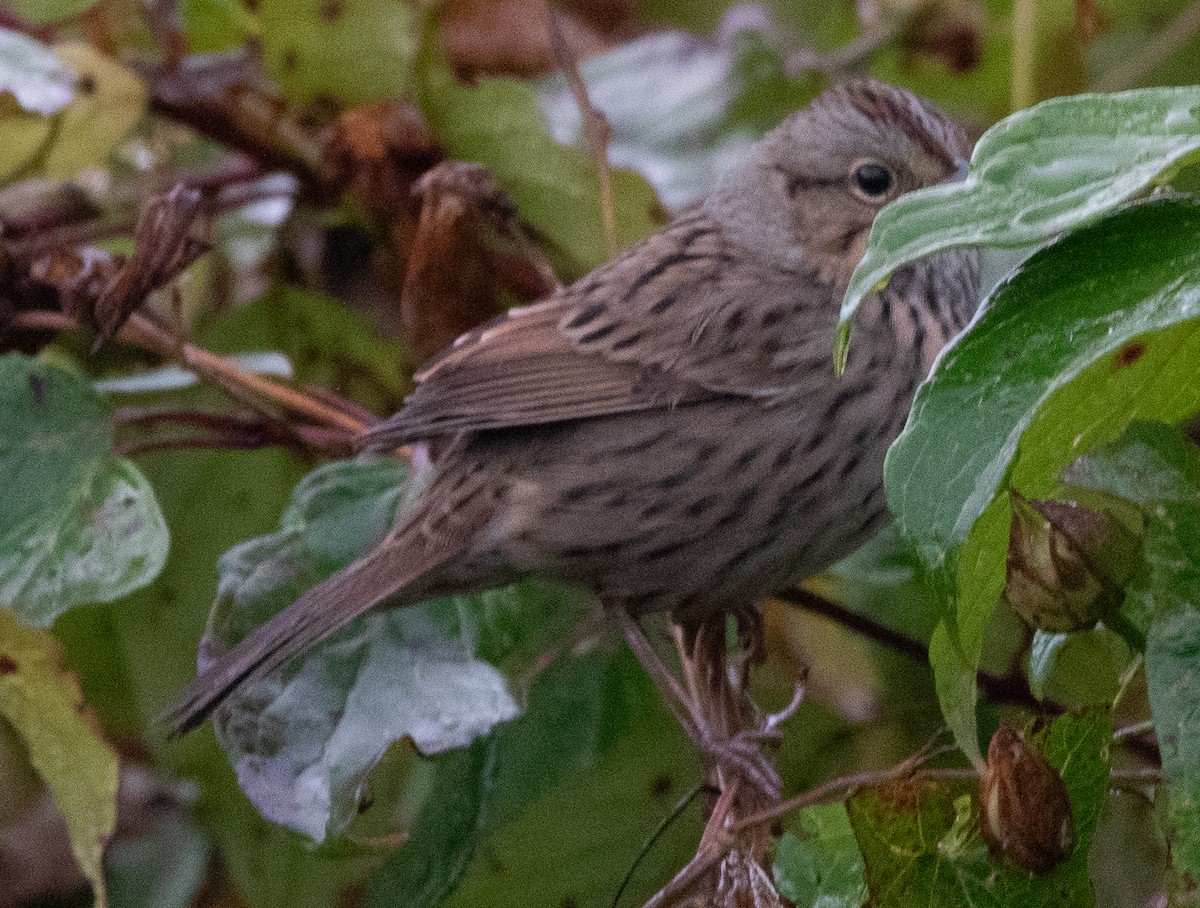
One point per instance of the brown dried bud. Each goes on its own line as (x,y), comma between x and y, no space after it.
(1026,814)
(1067,564)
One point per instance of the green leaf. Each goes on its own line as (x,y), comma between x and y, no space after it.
(825,867)
(1092,332)
(765,91)
(213,26)
(43,11)
(1077,669)
(165,868)
(445,832)
(36,79)
(83,104)
(353,51)
(42,701)
(1172,656)
(326,342)
(583,778)
(1159,468)
(1035,174)
(497,123)
(24,139)
(921,845)
(78,525)
(134,655)
(303,748)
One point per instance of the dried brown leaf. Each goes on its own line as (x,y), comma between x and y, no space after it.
(509,37)
(948,31)
(468,258)
(165,243)
(377,152)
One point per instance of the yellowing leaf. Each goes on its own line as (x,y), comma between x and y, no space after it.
(109,101)
(354,51)
(43,702)
(22,136)
(50,10)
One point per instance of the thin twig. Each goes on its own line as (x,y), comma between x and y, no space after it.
(226,431)
(189,443)
(700,864)
(165,23)
(1127,677)
(825,791)
(597,131)
(848,56)
(662,827)
(1011,689)
(673,694)
(712,849)
(1148,776)
(140,331)
(231,189)
(1151,54)
(845,784)
(223,370)
(1024,53)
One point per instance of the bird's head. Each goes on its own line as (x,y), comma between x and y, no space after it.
(809,191)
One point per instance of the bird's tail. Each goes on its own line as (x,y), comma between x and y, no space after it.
(321,611)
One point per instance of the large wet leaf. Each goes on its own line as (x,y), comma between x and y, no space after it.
(133,655)
(1092,332)
(78,525)
(42,701)
(1159,468)
(1036,174)
(431,674)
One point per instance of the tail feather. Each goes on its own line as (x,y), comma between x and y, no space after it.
(318,613)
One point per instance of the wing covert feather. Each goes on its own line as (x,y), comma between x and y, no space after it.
(652,328)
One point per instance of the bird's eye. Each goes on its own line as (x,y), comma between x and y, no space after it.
(871,180)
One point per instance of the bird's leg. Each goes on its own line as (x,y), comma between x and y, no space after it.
(677,699)
(736,739)
(730,720)
(704,704)
(713,703)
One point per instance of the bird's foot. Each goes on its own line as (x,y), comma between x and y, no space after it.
(712,702)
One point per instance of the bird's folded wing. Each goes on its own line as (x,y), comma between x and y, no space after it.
(666,323)
(521,370)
